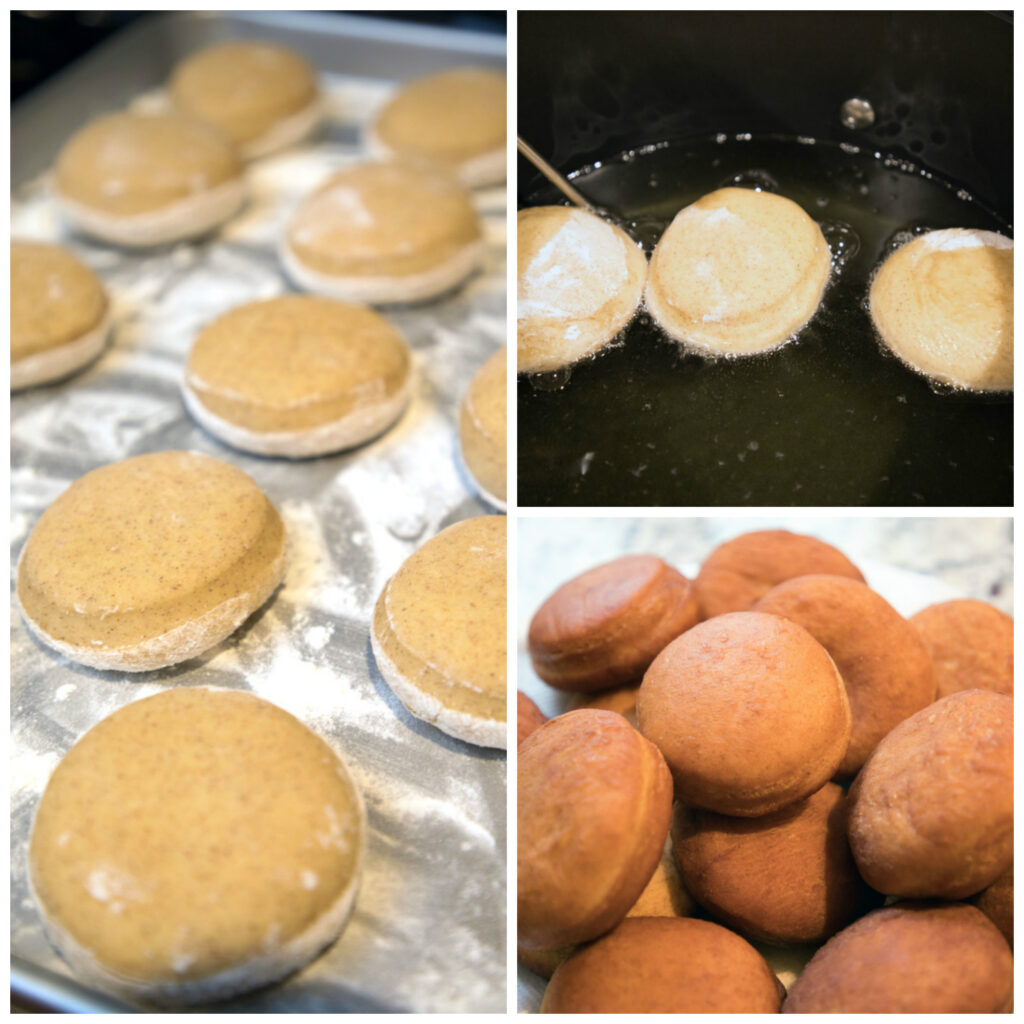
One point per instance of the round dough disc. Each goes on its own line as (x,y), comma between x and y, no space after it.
(58,313)
(298,375)
(196,844)
(261,96)
(483,428)
(146,179)
(384,233)
(943,304)
(738,272)
(150,561)
(580,281)
(456,119)
(439,633)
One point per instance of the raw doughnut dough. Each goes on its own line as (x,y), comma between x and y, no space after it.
(298,376)
(177,858)
(738,272)
(943,304)
(262,96)
(145,179)
(483,428)
(439,632)
(150,561)
(456,119)
(59,314)
(580,281)
(383,233)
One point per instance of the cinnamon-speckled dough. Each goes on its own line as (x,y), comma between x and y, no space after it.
(738,272)
(298,375)
(150,561)
(58,313)
(580,281)
(439,633)
(261,95)
(143,179)
(195,844)
(456,119)
(383,233)
(943,304)
(483,428)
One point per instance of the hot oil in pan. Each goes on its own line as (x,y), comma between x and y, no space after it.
(829,419)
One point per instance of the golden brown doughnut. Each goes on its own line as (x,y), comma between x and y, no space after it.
(971,644)
(909,958)
(665,965)
(931,813)
(749,712)
(605,626)
(885,666)
(595,799)
(742,570)
(620,699)
(785,878)
(529,717)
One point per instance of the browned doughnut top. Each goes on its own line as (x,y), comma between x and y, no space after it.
(748,710)
(742,570)
(971,644)
(605,626)
(665,965)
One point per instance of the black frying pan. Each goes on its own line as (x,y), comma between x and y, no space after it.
(830,419)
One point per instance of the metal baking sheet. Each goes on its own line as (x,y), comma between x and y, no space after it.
(428,931)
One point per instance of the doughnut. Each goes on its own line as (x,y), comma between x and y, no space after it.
(742,570)
(456,119)
(146,179)
(439,635)
(594,803)
(943,305)
(971,644)
(483,429)
(931,813)
(665,965)
(580,282)
(605,626)
(60,317)
(262,96)
(909,958)
(150,561)
(383,233)
(885,667)
(297,376)
(785,878)
(996,903)
(529,717)
(749,712)
(737,272)
(176,858)
(620,699)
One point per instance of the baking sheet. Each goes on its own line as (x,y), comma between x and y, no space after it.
(428,931)
(912,563)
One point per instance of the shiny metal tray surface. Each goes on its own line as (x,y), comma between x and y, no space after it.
(428,931)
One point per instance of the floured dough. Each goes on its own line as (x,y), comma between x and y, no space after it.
(738,272)
(580,280)
(59,314)
(456,119)
(196,844)
(298,376)
(943,304)
(139,179)
(383,233)
(483,428)
(264,97)
(439,633)
(150,561)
